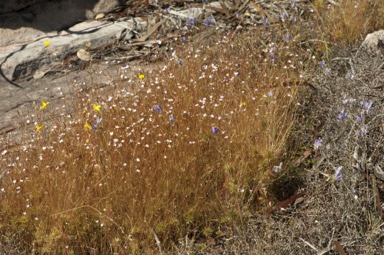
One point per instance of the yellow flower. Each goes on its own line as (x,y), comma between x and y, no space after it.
(38,127)
(141,76)
(43,105)
(47,43)
(87,126)
(96,107)
(243,103)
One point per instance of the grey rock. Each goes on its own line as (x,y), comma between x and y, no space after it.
(43,17)
(21,60)
(12,5)
(374,42)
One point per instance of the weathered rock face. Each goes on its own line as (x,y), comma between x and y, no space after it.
(12,5)
(374,42)
(7,6)
(31,19)
(23,31)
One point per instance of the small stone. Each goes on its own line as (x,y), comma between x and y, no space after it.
(84,55)
(100,16)
(39,74)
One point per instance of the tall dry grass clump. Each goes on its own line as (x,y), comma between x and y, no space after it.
(183,150)
(347,22)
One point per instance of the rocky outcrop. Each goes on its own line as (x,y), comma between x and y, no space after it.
(66,25)
(31,19)
(12,5)
(374,42)
(7,6)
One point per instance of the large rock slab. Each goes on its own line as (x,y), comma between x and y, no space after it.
(21,60)
(7,6)
(42,17)
(12,5)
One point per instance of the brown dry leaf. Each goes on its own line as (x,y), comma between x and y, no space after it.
(258,9)
(304,157)
(339,248)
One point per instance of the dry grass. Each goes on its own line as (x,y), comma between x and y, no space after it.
(184,151)
(348,22)
(154,166)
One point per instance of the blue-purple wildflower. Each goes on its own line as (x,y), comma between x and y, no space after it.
(157,108)
(359,118)
(350,76)
(270,93)
(266,21)
(171,118)
(338,174)
(283,15)
(215,130)
(96,123)
(367,106)
(342,115)
(278,168)
(318,143)
(363,130)
(322,63)
(191,21)
(208,21)
(287,37)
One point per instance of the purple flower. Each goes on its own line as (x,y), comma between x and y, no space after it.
(278,168)
(157,108)
(184,38)
(338,174)
(287,37)
(283,15)
(293,20)
(265,21)
(359,118)
(350,76)
(327,70)
(342,115)
(215,130)
(318,143)
(322,63)
(171,118)
(97,122)
(270,93)
(208,21)
(167,10)
(367,105)
(272,56)
(191,21)
(363,130)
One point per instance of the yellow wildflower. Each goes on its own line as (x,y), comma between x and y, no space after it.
(87,126)
(47,43)
(243,103)
(38,127)
(43,105)
(96,107)
(141,76)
